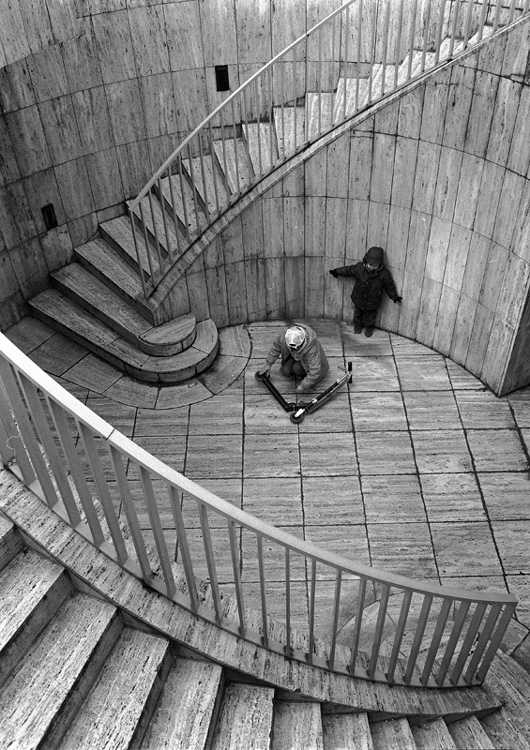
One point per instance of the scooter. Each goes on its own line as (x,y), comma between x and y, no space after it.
(298,411)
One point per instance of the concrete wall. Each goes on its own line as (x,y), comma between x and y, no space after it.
(440,179)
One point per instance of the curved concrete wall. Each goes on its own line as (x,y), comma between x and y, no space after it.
(440,179)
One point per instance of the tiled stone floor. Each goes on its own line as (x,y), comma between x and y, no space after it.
(415,468)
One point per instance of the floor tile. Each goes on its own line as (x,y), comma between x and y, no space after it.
(497,450)
(121,416)
(221,415)
(374,374)
(226,489)
(465,546)
(441,451)
(333,416)
(358,345)
(162,422)
(74,389)
(235,341)
(275,500)
(520,403)
(417,373)
(224,372)
(329,335)
(262,336)
(483,410)
(402,548)
(378,411)
(404,347)
(273,558)
(172,451)
(332,455)
(93,373)
(277,457)
(461,379)
(129,391)
(29,333)
(385,453)
(397,497)
(506,494)
(58,354)
(512,539)
(172,396)
(432,410)
(347,541)
(211,456)
(452,497)
(265,416)
(519,586)
(334,500)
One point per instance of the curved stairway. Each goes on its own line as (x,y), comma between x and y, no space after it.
(77,670)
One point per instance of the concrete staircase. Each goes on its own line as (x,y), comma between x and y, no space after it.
(77,670)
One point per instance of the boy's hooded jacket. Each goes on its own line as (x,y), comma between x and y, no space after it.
(311,356)
(369,285)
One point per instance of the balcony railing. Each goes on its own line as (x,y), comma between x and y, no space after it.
(176,536)
(360,53)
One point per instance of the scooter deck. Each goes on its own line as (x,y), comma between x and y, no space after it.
(298,411)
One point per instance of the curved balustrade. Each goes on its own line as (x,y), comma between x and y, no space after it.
(175,535)
(361,52)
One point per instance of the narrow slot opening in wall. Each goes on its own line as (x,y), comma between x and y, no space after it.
(221,78)
(48,214)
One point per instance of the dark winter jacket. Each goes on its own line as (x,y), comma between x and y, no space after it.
(369,285)
(311,356)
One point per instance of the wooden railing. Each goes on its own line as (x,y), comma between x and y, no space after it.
(361,52)
(360,621)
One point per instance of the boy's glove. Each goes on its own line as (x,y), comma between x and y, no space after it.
(333,273)
(265,371)
(398,299)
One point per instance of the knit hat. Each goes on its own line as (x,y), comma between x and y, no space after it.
(374,256)
(295,337)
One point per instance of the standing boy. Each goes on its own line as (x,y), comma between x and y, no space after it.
(372,278)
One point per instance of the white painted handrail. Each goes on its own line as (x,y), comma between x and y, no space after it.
(360,53)
(402,631)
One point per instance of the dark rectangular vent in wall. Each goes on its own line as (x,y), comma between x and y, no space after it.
(48,214)
(221,78)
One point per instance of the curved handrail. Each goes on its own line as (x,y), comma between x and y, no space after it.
(84,468)
(359,53)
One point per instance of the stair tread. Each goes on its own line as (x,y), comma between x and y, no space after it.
(119,230)
(23,584)
(36,690)
(469,733)
(234,161)
(184,712)
(119,695)
(394,734)
(118,272)
(347,731)
(10,541)
(185,206)
(290,128)
(262,148)
(502,730)
(207,180)
(434,735)
(245,718)
(297,724)
(76,279)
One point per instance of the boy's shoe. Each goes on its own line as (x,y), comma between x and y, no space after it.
(357,329)
(369,332)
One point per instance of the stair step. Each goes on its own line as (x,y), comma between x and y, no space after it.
(177,193)
(64,315)
(347,732)
(10,541)
(319,113)
(469,733)
(262,147)
(289,123)
(184,711)
(511,684)
(394,734)
(77,283)
(32,589)
(123,696)
(164,236)
(169,338)
(245,719)
(119,235)
(356,92)
(115,273)
(297,724)
(234,160)
(208,181)
(434,735)
(41,685)
(502,730)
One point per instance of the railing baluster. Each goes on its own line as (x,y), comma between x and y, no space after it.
(426,34)
(346,27)
(166,235)
(13,448)
(182,183)
(414,14)
(497,15)
(258,120)
(358,624)
(319,69)
(26,431)
(236,155)
(439,30)
(272,158)
(471,635)
(158,532)
(495,642)
(373,48)
(335,618)
(183,546)
(295,103)
(263,592)
(130,513)
(237,577)
(312,592)
(455,23)
(103,493)
(452,643)
(359,40)
(386,21)
(210,561)
(418,637)
(482,642)
(379,630)
(147,243)
(441,622)
(155,227)
(288,600)
(467,24)
(174,215)
(141,271)
(214,167)
(204,182)
(194,187)
(332,73)
(398,638)
(483,17)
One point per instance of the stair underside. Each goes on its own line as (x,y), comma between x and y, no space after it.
(65,315)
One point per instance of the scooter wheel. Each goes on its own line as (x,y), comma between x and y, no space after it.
(296,419)
(258,376)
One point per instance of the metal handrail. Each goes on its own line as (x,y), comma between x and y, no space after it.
(354,57)
(402,631)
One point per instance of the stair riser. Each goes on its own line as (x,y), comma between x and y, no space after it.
(128,255)
(37,620)
(151,702)
(10,545)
